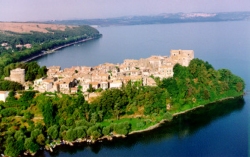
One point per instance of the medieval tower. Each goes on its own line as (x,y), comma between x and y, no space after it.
(17,75)
(183,57)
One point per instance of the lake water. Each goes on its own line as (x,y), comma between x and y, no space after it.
(216,130)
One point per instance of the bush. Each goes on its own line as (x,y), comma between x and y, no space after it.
(122,128)
(96,135)
(7,112)
(168,116)
(106,130)
(27,96)
(140,124)
(28,115)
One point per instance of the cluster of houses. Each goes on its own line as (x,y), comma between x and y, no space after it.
(107,75)
(110,75)
(7,46)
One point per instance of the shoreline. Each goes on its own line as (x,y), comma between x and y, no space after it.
(177,114)
(42,53)
(109,138)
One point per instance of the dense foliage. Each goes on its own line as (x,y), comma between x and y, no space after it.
(34,119)
(200,83)
(32,70)
(6,85)
(40,42)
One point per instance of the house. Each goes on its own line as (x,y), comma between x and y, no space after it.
(4,44)
(130,62)
(148,81)
(4,95)
(87,78)
(19,46)
(136,78)
(135,72)
(28,46)
(37,82)
(85,86)
(145,72)
(43,85)
(166,71)
(64,86)
(56,87)
(116,84)
(8,47)
(125,79)
(54,69)
(104,85)
(51,73)
(95,85)
(155,61)
(47,84)
(86,69)
(104,76)
(73,90)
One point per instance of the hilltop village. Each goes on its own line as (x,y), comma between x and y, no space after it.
(107,75)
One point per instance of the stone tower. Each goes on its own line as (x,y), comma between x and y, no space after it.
(17,75)
(183,57)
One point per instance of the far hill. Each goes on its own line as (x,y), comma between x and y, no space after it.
(164,18)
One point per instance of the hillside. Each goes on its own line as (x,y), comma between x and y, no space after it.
(31,27)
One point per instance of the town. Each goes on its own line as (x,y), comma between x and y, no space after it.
(106,75)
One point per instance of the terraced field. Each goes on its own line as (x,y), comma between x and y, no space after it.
(29,27)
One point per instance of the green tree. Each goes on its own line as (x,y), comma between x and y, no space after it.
(106,130)
(13,147)
(53,132)
(71,135)
(40,139)
(35,133)
(80,132)
(30,145)
(47,111)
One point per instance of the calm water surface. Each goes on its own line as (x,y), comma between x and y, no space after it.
(217,130)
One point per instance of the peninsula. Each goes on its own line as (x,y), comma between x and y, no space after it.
(86,104)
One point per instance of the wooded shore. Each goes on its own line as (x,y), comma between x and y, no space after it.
(55,49)
(175,115)
(110,137)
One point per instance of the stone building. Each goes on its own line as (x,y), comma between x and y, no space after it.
(18,75)
(183,57)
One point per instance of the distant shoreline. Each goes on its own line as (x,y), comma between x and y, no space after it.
(55,49)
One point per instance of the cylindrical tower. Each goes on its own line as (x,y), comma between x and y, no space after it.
(17,75)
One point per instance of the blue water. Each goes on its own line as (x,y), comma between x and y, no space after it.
(223,44)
